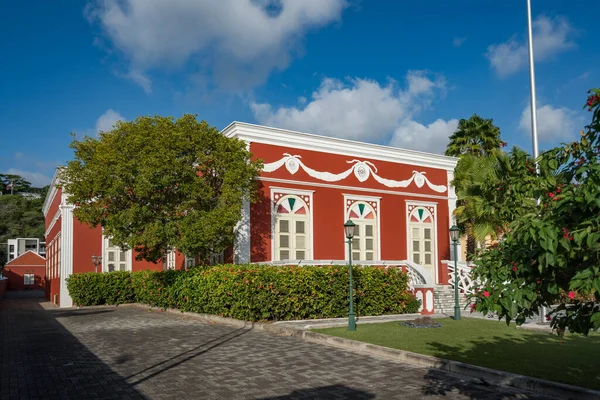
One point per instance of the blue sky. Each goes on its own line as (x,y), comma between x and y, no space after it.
(400,73)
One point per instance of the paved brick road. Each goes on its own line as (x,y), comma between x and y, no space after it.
(131,353)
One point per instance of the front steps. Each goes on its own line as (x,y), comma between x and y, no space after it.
(443,300)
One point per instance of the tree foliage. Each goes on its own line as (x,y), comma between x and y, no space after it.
(158,183)
(477,142)
(19,217)
(477,136)
(495,190)
(10,184)
(551,253)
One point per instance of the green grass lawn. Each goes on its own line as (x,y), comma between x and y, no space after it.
(492,344)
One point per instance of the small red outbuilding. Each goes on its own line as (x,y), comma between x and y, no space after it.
(26,272)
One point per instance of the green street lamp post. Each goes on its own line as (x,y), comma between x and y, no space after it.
(349,231)
(454,236)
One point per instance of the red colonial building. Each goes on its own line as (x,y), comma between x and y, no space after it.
(26,272)
(400,200)
(71,247)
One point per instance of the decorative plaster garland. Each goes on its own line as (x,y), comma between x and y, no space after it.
(362,170)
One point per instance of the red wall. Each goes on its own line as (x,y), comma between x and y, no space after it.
(328,205)
(51,286)
(16,275)
(87,242)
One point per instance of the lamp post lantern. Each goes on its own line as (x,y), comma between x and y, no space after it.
(454,236)
(96,260)
(349,231)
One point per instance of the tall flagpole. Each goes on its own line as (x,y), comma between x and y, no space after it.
(534,132)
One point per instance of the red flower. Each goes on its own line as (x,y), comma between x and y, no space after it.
(548,317)
(514,268)
(551,195)
(498,188)
(486,294)
(571,295)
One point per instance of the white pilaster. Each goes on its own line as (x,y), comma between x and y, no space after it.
(66,255)
(451,207)
(241,247)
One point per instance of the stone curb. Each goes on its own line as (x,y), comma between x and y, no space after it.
(487,375)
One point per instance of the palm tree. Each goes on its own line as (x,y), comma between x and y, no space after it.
(495,190)
(476,136)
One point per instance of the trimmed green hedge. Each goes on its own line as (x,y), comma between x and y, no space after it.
(252,292)
(94,289)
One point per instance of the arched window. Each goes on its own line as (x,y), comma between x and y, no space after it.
(364,243)
(421,229)
(292,230)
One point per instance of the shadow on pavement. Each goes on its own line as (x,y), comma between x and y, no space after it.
(181,358)
(334,392)
(39,358)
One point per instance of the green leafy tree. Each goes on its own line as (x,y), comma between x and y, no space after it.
(551,255)
(19,217)
(11,184)
(158,183)
(475,138)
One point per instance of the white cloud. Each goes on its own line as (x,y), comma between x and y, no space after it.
(236,42)
(140,79)
(458,41)
(550,37)
(554,123)
(432,138)
(363,109)
(106,121)
(37,179)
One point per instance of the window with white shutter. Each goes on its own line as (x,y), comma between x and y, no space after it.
(115,259)
(292,229)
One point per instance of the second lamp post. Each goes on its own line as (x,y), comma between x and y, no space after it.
(349,231)
(454,236)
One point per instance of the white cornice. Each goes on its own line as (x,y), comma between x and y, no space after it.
(51,193)
(353,188)
(251,133)
(56,216)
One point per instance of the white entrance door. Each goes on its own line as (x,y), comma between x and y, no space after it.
(421,238)
(422,245)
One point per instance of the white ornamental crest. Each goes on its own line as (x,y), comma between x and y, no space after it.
(362,171)
(292,165)
(419,179)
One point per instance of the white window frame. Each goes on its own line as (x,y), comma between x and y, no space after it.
(105,251)
(169,260)
(309,230)
(434,233)
(57,259)
(366,199)
(28,279)
(190,261)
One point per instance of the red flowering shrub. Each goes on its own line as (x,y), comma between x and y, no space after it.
(550,256)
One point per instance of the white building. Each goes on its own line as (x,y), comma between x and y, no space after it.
(19,246)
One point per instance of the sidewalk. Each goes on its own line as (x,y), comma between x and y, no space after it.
(308,324)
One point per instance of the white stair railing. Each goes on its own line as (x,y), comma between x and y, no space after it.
(466,283)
